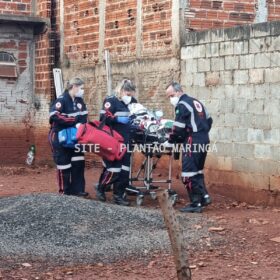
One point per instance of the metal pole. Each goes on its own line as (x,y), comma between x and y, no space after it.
(108,72)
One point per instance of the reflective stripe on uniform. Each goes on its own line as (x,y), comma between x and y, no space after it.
(179,124)
(77,158)
(194,127)
(125,168)
(191,174)
(103,163)
(76,114)
(62,167)
(102,112)
(53,113)
(115,170)
(122,114)
(207,115)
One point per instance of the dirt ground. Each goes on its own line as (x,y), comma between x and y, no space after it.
(249,248)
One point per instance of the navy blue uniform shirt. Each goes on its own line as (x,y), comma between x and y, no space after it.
(192,119)
(66,112)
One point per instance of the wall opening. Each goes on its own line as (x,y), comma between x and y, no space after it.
(8,67)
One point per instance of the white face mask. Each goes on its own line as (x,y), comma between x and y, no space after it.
(174,100)
(80,93)
(126,99)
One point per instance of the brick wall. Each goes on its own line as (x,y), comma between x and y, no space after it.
(83,36)
(81,31)
(18,97)
(142,37)
(236,73)
(157,30)
(208,14)
(273,10)
(46,58)
(15,97)
(139,38)
(120,28)
(17,7)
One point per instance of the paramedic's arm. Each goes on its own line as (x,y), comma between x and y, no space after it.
(107,113)
(83,117)
(179,130)
(56,115)
(208,118)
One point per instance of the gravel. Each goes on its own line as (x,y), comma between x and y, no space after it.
(65,229)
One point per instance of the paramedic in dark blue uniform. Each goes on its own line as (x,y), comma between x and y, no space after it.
(66,111)
(191,127)
(116,113)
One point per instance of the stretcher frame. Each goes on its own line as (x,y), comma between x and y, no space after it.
(144,174)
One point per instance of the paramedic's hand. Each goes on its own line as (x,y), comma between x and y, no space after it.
(109,115)
(167,145)
(123,120)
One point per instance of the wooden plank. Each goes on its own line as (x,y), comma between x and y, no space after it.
(176,236)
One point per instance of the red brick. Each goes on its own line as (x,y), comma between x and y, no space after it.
(8,45)
(212,15)
(229,6)
(223,16)
(201,14)
(206,4)
(195,4)
(217,5)
(22,55)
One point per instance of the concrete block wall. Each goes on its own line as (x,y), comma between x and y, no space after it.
(236,73)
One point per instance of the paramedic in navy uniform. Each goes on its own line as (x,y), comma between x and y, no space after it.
(191,127)
(66,111)
(115,111)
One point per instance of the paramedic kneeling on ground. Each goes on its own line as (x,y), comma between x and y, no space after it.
(191,127)
(68,110)
(116,113)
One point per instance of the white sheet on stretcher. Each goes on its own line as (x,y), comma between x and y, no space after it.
(148,120)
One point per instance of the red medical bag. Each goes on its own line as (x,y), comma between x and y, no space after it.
(108,143)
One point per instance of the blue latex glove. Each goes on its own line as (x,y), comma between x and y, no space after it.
(123,120)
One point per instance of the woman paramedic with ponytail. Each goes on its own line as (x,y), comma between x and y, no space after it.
(115,112)
(66,111)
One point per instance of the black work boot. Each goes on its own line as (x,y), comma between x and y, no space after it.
(81,194)
(192,208)
(100,193)
(120,200)
(206,200)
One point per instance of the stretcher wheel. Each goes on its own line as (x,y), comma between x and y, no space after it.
(173,198)
(139,199)
(153,195)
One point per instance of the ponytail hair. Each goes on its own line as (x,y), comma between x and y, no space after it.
(126,85)
(74,81)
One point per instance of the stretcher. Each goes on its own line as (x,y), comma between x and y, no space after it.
(148,138)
